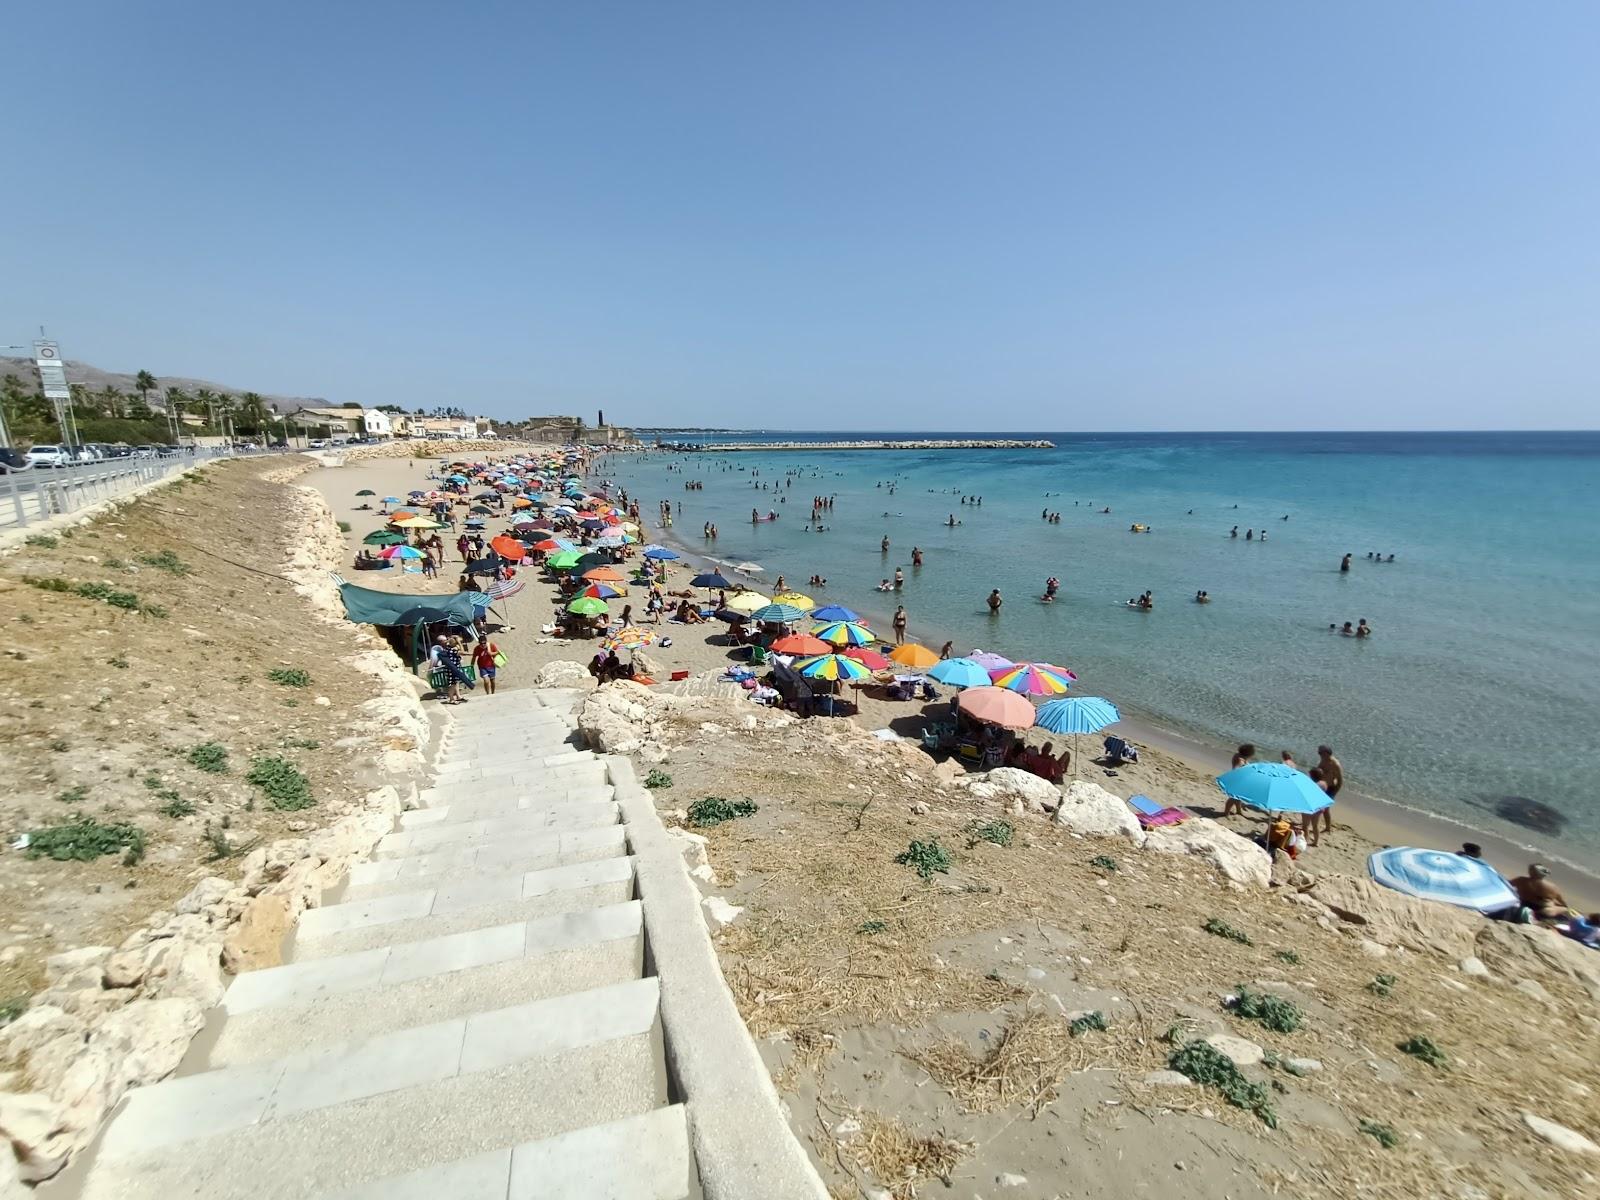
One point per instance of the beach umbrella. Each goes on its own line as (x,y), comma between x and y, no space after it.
(1034,679)
(1442,877)
(602,591)
(836,612)
(959,672)
(416,523)
(611,542)
(400,552)
(480,510)
(914,656)
(629,637)
(870,659)
(474,522)
(996,706)
(731,615)
(499,589)
(366,492)
(508,547)
(795,600)
(659,552)
(522,502)
(831,666)
(401,514)
(588,606)
(384,537)
(802,644)
(1080,714)
(553,545)
(990,662)
(747,602)
(711,579)
(844,633)
(603,575)
(780,614)
(564,560)
(1274,787)
(391,500)
(416,492)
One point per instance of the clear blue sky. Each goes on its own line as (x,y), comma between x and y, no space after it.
(868,215)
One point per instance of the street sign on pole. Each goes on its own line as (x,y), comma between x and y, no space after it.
(53,380)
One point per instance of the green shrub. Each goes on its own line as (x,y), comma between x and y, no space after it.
(1209,1067)
(95,590)
(281,782)
(210,757)
(1104,862)
(1219,927)
(1382,985)
(1095,1021)
(221,847)
(176,806)
(714,810)
(1276,1013)
(60,745)
(76,794)
(873,927)
(998,833)
(1420,1047)
(927,857)
(43,540)
(119,663)
(290,677)
(1383,1134)
(300,743)
(85,839)
(657,779)
(164,560)
(1288,956)
(344,526)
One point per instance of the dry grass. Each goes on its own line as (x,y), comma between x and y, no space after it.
(888,1152)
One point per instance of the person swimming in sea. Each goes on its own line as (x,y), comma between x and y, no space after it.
(1234,532)
(1344,565)
(1202,597)
(1363,629)
(1051,586)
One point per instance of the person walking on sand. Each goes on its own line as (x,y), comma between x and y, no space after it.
(995,602)
(900,625)
(485,658)
(1333,779)
(944,650)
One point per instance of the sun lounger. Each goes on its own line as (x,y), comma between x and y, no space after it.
(1151,814)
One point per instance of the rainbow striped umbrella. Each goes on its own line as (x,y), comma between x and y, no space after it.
(845,633)
(831,666)
(405,552)
(1033,679)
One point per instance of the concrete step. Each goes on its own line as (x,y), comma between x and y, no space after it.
(474,903)
(493,717)
(545,728)
(525,852)
(499,806)
(352,1114)
(637,1158)
(326,1001)
(447,765)
(476,783)
(488,829)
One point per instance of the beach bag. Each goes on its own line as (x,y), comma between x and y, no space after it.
(438,679)
(499,658)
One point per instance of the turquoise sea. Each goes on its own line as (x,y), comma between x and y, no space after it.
(1482,681)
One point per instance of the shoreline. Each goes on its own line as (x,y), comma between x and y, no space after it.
(908,444)
(1374,819)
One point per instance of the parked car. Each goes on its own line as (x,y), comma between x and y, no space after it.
(12,460)
(316,443)
(49,455)
(144,452)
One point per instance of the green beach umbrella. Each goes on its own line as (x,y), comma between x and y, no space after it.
(384,537)
(564,560)
(366,492)
(588,606)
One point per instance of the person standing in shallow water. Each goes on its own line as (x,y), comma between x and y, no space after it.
(995,602)
(900,625)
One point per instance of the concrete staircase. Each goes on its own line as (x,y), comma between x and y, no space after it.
(470,1016)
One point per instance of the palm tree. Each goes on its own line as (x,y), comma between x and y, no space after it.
(111,400)
(207,400)
(176,399)
(253,413)
(144,383)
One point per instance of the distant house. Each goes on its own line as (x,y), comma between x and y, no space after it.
(443,428)
(339,422)
(377,424)
(399,424)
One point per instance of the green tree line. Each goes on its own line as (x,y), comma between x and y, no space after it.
(109,414)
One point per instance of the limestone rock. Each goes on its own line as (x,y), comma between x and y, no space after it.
(1385,916)
(179,967)
(124,969)
(1559,1135)
(40,1025)
(1473,965)
(561,674)
(1239,1051)
(1534,990)
(1529,950)
(1236,858)
(256,940)
(74,967)
(720,912)
(1004,783)
(1302,1066)
(692,846)
(1168,1079)
(1089,809)
(208,892)
(149,1038)
(32,1123)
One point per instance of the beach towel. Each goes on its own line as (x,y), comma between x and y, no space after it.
(1151,814)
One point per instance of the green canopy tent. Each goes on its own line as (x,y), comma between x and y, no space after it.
(411,613)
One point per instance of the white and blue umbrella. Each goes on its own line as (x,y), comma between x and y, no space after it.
(659,552)
(1441,876)
(959,672)
(1273,787)
(1077,714)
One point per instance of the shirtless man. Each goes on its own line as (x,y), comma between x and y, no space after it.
(1332,779)
(994,603)
(1537,893)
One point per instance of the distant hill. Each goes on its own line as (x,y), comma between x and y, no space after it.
(94,379)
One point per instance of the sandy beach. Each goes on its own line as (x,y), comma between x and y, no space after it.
(1173,769)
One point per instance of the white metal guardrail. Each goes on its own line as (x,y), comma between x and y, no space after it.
(35,494)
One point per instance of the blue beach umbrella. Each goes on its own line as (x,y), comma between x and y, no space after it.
(959,672)
(1442,877)
(838,612)
(659,552)
(1077,714)
(782,614)
(711,579)
(1273,787)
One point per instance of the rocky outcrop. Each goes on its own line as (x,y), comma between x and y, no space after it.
(1235,858)
(1513,951)
(563,674)
(1089,809)
(1384,916)
(1007,783)
(629,718)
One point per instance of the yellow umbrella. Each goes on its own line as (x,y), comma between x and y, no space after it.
(417,523)
(913,655)
(795,600)
(747,602)
(630,527)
